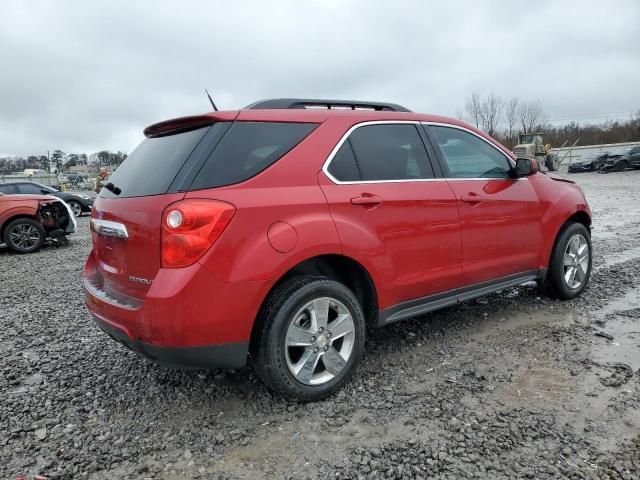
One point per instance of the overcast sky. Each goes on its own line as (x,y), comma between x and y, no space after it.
(84,76)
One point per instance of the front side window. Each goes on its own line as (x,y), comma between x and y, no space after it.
(382,152)
(468,156)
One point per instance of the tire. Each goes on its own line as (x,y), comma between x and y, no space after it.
(622,166)
(24,235)
(552,163)
(286,338)
(561,282)
(76,208)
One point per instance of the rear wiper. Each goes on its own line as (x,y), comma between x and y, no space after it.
(112,188)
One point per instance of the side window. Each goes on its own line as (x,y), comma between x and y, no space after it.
(468,156)
(247,149)
(343,166)
(30,189)
(390,152)
(8,189)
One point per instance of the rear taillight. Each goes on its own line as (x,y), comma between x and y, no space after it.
(190,227)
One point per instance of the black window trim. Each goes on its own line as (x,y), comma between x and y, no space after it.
(442,161)
(347,134)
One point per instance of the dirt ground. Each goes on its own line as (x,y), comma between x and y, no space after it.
(513,385)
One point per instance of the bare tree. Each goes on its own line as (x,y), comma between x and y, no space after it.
(473,108)
(511,116)
(491,113)
(531,116)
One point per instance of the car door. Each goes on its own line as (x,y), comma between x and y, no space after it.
(500,216)
(392,213)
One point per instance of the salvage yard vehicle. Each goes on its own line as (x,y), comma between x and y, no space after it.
(282,232)
(531,145)
(79,202)
(592,163)
(27,221)
(619,162)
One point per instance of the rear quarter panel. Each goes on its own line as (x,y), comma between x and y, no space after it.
(286,192)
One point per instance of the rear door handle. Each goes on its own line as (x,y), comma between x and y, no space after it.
(366,200)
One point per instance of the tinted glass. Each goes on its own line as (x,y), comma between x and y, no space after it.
(31,189)
(343,166)
(247,149)
(468,156)
(152,166)
(390,152)
(8,189)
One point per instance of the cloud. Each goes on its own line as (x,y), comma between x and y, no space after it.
(89,75)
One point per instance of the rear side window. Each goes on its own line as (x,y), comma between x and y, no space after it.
(247,149)
(383,152)
(343,166)
(8,189)
(153,165)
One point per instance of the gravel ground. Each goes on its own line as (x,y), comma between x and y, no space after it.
(512,385)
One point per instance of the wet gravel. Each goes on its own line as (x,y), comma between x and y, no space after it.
(511,386)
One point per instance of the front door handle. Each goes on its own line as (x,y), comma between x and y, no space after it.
(366,200)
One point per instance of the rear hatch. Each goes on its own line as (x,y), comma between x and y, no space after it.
(126,227)
(180,155)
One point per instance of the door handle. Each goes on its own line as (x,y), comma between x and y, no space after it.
(472,198)
(366,200)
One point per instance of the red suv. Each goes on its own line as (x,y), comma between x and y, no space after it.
(279,233)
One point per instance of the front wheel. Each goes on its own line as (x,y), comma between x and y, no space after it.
(622,166)
(570,265)
(24,235)
(310,337)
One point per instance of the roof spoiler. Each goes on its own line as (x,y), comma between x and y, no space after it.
(182,124)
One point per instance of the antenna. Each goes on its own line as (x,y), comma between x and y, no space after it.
(211,100)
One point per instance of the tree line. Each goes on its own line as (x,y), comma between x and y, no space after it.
(59,161)
(504,119)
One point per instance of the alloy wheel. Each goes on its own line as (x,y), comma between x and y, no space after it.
(319,341)
(576,261)
(76,208)
(24,236)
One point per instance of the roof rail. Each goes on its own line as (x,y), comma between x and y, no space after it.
(302,103)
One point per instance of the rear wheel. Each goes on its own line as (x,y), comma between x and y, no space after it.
(310,337)
(24,235)
(76,208)
(570,265)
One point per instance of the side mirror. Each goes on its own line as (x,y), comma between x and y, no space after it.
(525,167)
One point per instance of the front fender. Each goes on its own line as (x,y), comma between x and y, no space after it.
(557,213)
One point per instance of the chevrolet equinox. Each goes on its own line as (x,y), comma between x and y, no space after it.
(279,233)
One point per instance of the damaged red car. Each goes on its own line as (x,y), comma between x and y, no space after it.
(27,221)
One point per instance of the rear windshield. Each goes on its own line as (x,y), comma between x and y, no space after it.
(247,149)
(153,165)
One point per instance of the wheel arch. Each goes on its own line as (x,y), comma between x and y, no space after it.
(578,216)
(336,267)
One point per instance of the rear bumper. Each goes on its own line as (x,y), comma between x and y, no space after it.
(229,355)
(187,317)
